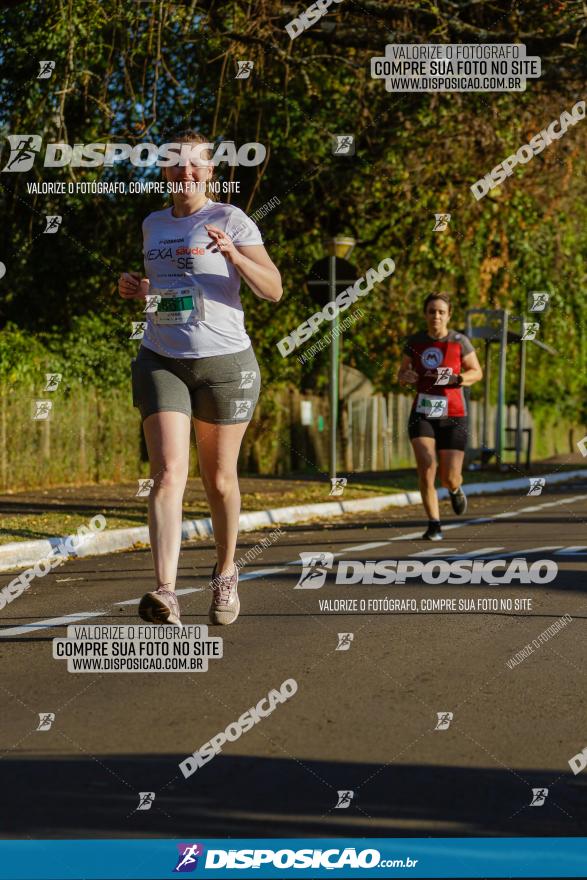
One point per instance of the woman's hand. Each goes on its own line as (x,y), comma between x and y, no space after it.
(223,243)
(408,376)
(132,285)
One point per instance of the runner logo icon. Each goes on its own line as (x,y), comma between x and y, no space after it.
(315,567)
(23,149)
(247,378)
(46,719)
(539,795)
(344,641)
(444,719)
(188,857)
(146,799)
(344,799)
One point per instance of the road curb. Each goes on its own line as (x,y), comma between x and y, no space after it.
(26,553)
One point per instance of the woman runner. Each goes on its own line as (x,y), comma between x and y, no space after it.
(440,362)
(196,365)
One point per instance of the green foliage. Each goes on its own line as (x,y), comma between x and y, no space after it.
(131,71)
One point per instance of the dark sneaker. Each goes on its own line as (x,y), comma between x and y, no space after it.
(433,533)
(458,500)
(160,606)
(225,605)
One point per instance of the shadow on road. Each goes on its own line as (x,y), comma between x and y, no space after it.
(235,796)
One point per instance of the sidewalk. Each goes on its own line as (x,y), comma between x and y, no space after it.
(55,512)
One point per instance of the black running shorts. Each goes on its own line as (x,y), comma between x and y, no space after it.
(449,433)
(223,389)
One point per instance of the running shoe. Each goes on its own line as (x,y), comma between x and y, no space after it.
(160,606)
(458,500)
(225,605)
(433,533)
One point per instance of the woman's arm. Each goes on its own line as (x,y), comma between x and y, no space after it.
(256,267)
(406,375)
(253,264)
(471,371)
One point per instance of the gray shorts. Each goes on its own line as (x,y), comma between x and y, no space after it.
(223,389)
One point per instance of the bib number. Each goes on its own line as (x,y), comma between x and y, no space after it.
(431,406)
(183,305)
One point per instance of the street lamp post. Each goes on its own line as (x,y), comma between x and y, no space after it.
(339,246)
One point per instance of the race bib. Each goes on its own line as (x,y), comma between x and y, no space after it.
(431,406)
(182,305)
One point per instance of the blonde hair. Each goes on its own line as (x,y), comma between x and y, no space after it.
(191,136)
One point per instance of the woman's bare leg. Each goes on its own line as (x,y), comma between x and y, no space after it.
(218,449)
(167,435)
(425,452)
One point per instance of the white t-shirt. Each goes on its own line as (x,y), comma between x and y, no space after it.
(177,258)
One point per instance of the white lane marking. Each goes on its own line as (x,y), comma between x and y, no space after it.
(50,622)
(480,552)
(434,552)
(177,593)
(72,618)
(531,551)
(371,546)
(509,513)
(263,572)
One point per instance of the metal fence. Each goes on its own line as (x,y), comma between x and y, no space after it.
(375,431)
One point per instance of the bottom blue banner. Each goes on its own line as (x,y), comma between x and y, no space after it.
(310,857)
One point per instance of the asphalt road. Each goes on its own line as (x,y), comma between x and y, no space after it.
(362,719)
